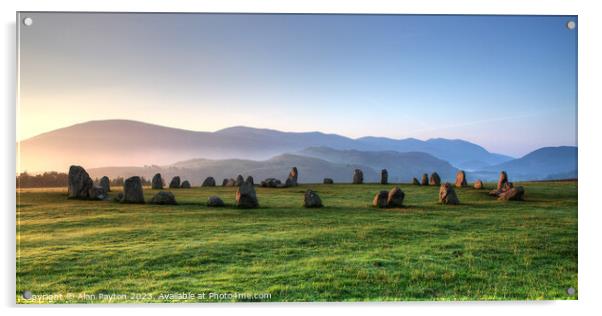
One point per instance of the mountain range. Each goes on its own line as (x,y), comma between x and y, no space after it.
(125,148)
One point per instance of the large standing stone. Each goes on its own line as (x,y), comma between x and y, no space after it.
(291,181)
(461,179)
(246,197)
(79,183)
(132,190)
(425,179)
(395,197)
(163,198)
(478,184)
(435,179)
(358,176)
(239,180)
(250,180)
(175,183)
(513,194)
(415,181)
(328,181)
(105,184)
(215,201)
(185,184)
(312,199)
(384,176)
(157,182)
(380,199)
(502,180)
(447,194)
(209,182)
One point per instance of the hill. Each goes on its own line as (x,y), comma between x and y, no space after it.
(124,143)
(542,164)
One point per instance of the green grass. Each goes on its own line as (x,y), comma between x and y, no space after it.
(483,249)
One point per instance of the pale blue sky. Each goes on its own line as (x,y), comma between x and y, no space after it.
(507,83)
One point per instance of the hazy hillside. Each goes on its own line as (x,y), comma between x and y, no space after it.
(123,142)
(311,170)
(402,167)
(542,164)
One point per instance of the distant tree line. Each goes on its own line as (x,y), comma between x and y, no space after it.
(55,179)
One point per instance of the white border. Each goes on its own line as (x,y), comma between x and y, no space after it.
(589,146)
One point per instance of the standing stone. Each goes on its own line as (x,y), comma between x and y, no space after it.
(358,176)
(271,183)
(395,197)
(97,193)
(250,180)
(502,180)
(415,181)
(239,180)
(425,179)
(447,194)
(229,182)
(435,179)
(79,183)
(246,197)
(291,181)
(461,179)
(384,177)
(312,199)
(328,181)
(209,182)
(215,201)
(163,198)
(513,194)
(380,199)
(185,185)
(132,190)
(175,183)
(105,184)
(157,182)
(478,184)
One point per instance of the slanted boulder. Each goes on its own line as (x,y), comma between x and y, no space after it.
(271,183)
(291,181)
(358,176)
(505,187)
(328,181)
(105,184)
(478,184)
(250,180)
(239,180)
(380,199)
(246,196)
(312,199)
(175,183)
(395,197)
(185,184)
(209,182)
(447,194)
(157,182)
(384,176)
(215,201)
(461,179)
(163,198)
(435,179)
(132,190)
(415,181)
(513,194)
(97,193)
(79,183)
(425,179)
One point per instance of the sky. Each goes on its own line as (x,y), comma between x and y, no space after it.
(507,83)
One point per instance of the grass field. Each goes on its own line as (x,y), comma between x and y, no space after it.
(483,249)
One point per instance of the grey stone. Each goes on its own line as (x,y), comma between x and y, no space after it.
(132,190)
(79,183)
(163,198)
(384,176)
(175,183)
(461,179)
(435,179)
(312,199)
(395,197)
(157,182)
(105,184)
(380,199)
(215,201)
(246,196)
(328,181)
(447,194)
(358,176)
(185,184)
